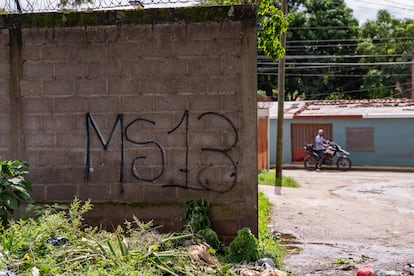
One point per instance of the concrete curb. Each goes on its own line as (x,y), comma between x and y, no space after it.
(299,166)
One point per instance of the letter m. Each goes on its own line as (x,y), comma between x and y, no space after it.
(91,124)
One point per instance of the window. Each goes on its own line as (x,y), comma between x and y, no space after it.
(360,139)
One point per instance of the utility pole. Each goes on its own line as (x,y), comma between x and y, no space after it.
(281,103)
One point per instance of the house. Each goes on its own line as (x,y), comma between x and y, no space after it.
(377,132)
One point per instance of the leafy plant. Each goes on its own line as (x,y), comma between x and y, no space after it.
(197,212)
(243,247)
(13,188)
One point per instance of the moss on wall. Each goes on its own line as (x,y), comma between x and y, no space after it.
(245,13)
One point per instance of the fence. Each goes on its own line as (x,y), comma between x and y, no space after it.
(29,6)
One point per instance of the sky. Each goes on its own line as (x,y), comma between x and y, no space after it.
(363,9)
(367,9)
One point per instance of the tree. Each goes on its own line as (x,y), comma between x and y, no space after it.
(321,31)
(389,43)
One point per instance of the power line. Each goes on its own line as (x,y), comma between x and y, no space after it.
(351,39)
(265,58)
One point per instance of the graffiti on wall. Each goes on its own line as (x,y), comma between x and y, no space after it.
(205,174)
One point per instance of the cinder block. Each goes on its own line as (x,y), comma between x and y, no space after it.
(53,53)
(71,70)
(230,66)
(178,32)
(157,49)
(135,33)
(176,103)
(41,175)
(59,192)
(227,228)
(4,87)
(191,85)
(95,192)
(31,53)
(4,57)
(204,66)
(132,193)
(61,123)
(129,86)
(107,104)
(37,192)
(32,122)
(134,69)
(37,105)
(38,36)
(90,87)
(225,85)
(95,34)
(68,175)
(92,52)
(136,104)
(31,88)
(232,29)
(104,69)
(225,47)
(205,103)
(51,157)
(73,105)
(186,49)
(53,88)
(70,139)
(126,51)
(5,142)
(4,37)
(37,140)
(37,70)
(70,35)
(204,31)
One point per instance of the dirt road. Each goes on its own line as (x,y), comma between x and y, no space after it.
(339,221)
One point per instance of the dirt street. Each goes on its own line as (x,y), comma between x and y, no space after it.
(338,221)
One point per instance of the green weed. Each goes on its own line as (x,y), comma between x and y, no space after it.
(268,177)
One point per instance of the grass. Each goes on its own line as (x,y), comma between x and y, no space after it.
(269,246)
(268,177)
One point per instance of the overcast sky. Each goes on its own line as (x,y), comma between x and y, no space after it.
(367,9)
(363,9)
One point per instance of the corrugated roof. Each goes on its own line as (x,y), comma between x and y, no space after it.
(375,108)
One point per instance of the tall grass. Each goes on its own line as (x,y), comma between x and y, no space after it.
(268,177)
(270,247)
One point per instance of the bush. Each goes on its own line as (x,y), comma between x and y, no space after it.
(13,188)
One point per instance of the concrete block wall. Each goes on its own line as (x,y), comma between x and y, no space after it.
(139,111)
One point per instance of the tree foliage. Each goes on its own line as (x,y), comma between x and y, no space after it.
(323,29)
(386,40)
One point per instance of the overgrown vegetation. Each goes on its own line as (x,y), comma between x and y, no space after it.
(13,188)
(53,240)
(57,242)
(268,177)
(267,244)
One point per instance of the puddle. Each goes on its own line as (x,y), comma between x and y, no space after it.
(289,241)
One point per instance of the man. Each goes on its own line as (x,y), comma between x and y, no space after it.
(320,147)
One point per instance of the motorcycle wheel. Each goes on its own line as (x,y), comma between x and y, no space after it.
(310,163)
(343,164)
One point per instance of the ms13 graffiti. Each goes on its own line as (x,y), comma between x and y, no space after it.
(202,175)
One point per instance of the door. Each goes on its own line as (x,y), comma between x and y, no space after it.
(301,134)
(262,143)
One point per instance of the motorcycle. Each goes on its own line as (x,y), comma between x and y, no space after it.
(343,163)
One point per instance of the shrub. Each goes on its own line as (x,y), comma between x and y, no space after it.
(13,188)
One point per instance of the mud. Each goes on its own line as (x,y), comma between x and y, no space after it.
(339,221)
